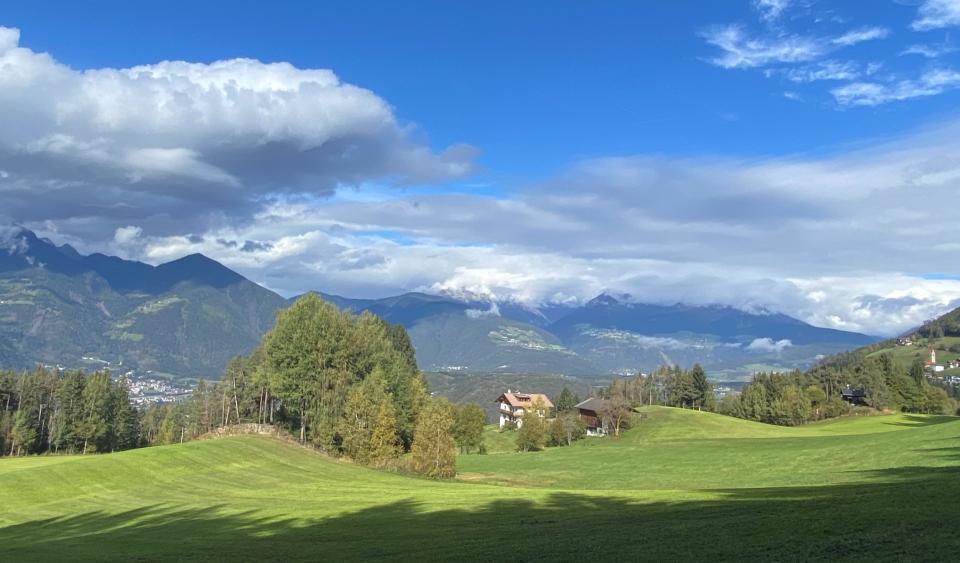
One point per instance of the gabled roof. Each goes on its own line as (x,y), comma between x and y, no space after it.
(592,404)
(524,399)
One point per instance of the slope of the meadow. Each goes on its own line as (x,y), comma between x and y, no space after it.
(681,485)
(683,449)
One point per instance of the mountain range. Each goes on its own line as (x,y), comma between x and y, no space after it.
(188,317)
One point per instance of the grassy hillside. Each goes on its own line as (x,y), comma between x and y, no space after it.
(682,485)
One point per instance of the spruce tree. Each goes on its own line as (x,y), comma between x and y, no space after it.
(566,401)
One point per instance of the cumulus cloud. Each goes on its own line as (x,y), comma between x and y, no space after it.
(937,14)
(768,345)
(176,144)
(831,239)
(235,159)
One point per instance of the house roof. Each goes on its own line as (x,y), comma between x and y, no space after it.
(592,404)
(524,399)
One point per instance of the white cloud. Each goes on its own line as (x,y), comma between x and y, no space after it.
(173,143)
(931,51)
(493,311)
(825,70)
(930,83)
(768,345)
(937,14)
(771,10)
(9,39)
(831,239)
(126,235)
(741,50)
(860,35)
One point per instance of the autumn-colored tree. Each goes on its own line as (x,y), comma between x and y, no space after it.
(434,451)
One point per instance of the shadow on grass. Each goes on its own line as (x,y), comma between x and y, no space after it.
(916,421)
(894,514)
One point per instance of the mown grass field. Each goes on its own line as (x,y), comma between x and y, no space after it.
(682,485)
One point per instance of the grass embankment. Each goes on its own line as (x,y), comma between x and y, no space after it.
(681,485)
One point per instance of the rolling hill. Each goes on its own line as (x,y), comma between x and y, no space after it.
(683,485)
(942,335)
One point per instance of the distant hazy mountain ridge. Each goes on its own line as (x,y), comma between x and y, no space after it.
(189,316)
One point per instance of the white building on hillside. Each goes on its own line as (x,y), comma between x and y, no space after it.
(513,406)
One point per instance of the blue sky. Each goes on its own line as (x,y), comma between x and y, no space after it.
(535,85)
(784,154)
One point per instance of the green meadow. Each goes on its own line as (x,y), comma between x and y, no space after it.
(680,485)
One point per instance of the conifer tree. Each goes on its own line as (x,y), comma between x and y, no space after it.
(566,401)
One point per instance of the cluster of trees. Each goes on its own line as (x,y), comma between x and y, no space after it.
(797,398)
(72,412)
(670,386)
(785,399)
(346,384)
(947,325)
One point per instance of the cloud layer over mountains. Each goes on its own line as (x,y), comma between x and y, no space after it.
(301,181)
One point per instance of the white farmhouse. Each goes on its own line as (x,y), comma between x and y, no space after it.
(513,406)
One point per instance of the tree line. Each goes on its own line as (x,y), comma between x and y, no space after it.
(668,386)
(345,384)
(72,412)
(799,397)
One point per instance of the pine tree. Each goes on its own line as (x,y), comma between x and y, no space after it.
(69,412)
(24,432)
(95,429)
(702,390)
(566,401)
(124,418)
